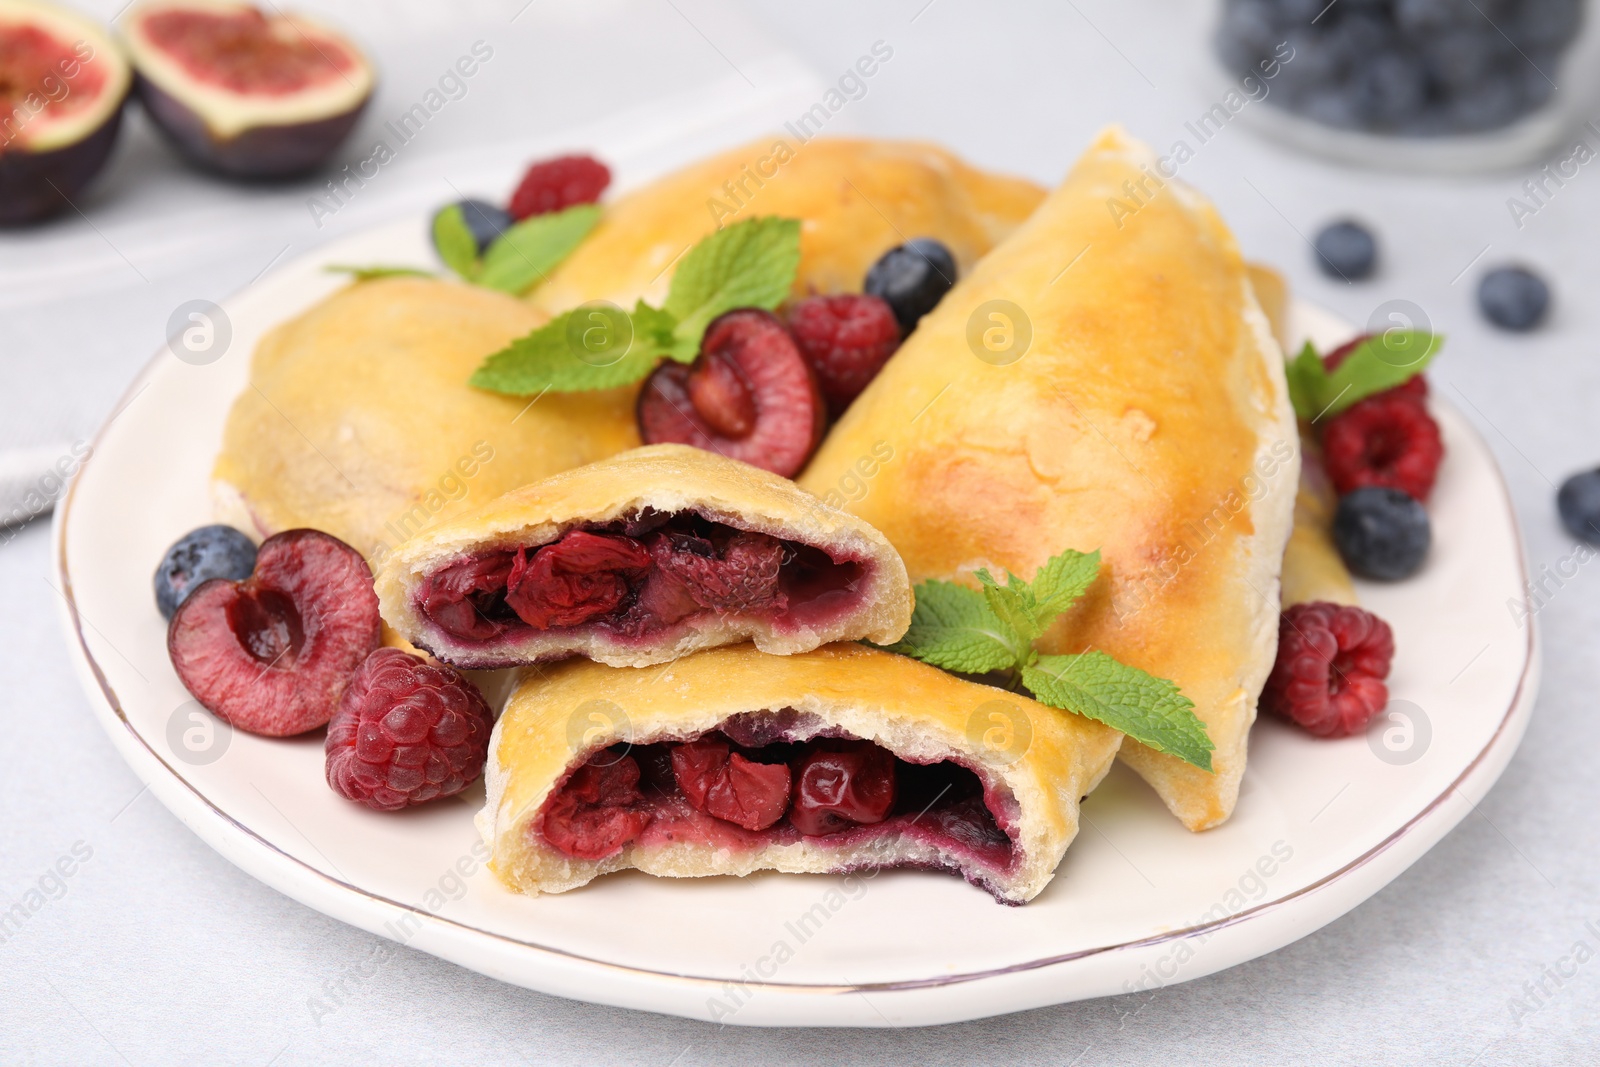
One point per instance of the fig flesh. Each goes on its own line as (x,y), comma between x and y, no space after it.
(63,84)
(243,92)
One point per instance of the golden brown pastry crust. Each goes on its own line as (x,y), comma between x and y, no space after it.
(912,709)
(1312,566)
(1148,418)
(358,419)
(667,478)
(856,198)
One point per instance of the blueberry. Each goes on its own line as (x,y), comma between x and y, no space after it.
(199,555)
(1579,503)
(1490,104)
(912,278)
(1460,59)
(1346,250)
(1293,12)
(1388,88)
(485,220)
(1332,106)
(1538,23)
(1423,17)
(1381,532)
(1534,83)
(1513,298)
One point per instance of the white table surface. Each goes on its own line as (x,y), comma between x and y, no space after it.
(160,952)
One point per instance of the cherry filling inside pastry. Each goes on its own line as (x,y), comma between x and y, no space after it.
(758,782)
(638,577)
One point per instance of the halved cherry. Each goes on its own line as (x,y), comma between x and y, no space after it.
(750,395)
(838,785)
(724,784)
(272,654)
(594,814)
(577,578)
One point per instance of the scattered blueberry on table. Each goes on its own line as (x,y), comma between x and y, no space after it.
(1346,250)
(1579,503)
(198,556)
(1382,533)
(1513,298)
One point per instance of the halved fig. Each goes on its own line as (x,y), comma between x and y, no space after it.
(245,93)
(750,395)
(63,82)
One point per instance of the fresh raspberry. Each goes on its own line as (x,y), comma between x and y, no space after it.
(559,183)
(596,812)
(406,731)
(846,339)
(1332,660)
(1415,386)
(1387,440)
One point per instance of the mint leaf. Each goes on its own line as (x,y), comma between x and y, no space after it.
(1061,581)
(1013,603)
(366,274)
(524,254)
(656,328)
(455,243)
(952,627)
(1381,362)
(748,264)
(1307,376)
(555,357)
(1148,709)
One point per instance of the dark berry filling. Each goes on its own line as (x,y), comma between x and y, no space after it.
(637,577)
(774,778)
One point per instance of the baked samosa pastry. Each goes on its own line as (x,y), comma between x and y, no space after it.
(1104,379)
(640,559)
(732,761)
(358,419)
(856,199)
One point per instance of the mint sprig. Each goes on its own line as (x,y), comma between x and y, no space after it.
(453,240)
(521,255)
(990,629)
(749,264)
(1381,362)
(1148,709)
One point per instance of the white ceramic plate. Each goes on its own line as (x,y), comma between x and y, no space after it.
(1138,903)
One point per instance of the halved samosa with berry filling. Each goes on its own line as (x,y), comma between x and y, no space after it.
(1103,379)
(732,761)
(642,558)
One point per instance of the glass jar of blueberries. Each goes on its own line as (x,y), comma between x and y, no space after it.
(1424,85)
